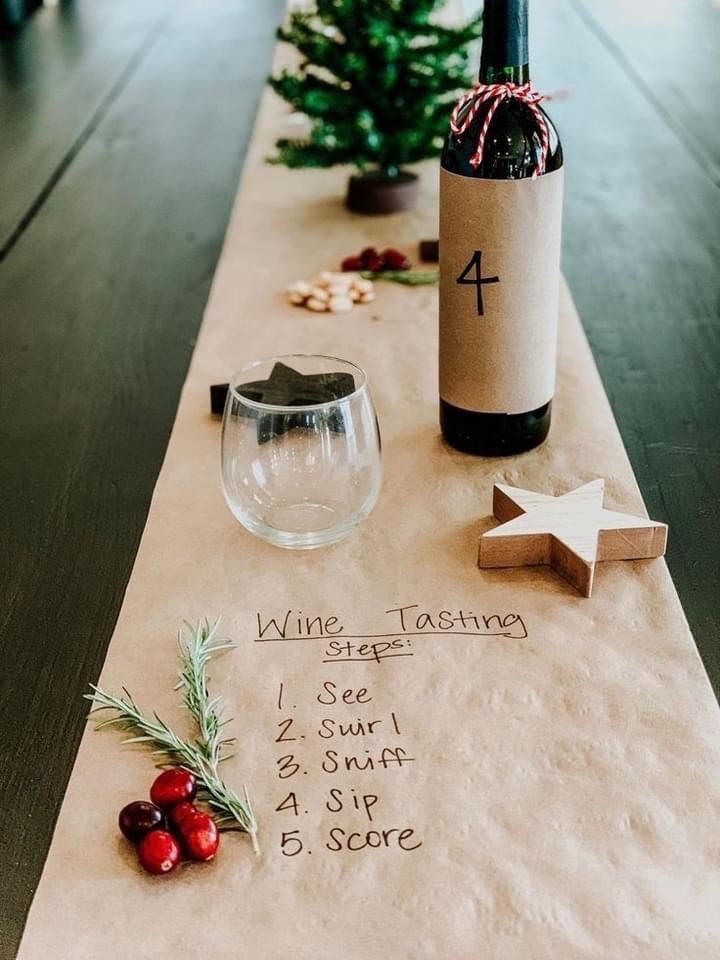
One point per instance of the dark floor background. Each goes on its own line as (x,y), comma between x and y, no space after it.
(123,124)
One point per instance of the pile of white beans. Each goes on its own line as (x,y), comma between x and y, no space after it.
(331,292)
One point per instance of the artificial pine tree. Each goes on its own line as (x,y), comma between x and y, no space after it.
(378,80)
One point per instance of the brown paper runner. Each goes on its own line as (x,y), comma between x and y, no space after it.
(564,775)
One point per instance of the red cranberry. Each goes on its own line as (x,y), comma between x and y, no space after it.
(173,786)
(139,818)
(159,852)
(180,812)
(353,264)
(374,264)
(200,836)
(369,253)
(396,260)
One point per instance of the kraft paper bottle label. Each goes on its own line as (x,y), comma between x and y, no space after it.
(499,288)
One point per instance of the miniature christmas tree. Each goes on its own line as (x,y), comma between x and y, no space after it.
(378,81)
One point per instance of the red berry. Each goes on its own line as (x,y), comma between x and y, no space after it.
(139,818)
(200,836)
(352,264)
(396,260)
(159,852)
(180,812)
(374,264)
(368,254)
(173,786)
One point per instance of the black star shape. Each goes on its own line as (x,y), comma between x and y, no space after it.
(287,387)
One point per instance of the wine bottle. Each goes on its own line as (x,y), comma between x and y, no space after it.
(500,213)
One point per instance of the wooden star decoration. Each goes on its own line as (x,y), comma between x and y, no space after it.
(571,533)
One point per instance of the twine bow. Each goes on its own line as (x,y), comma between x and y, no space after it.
(497,93)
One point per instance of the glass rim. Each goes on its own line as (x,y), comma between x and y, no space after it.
(279,408)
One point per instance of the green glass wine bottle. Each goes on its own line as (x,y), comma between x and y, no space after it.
(499,254)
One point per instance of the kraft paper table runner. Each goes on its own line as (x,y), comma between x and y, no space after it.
(561,800)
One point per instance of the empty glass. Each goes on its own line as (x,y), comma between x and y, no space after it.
(301,461)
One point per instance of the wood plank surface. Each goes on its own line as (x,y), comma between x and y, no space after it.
(670,51)
(101,300)
(56,74)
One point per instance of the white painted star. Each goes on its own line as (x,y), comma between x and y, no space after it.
(571,532)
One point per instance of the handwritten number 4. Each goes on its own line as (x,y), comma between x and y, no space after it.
(289,803)
(477,280)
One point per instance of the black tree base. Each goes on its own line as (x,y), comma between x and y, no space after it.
(375,192)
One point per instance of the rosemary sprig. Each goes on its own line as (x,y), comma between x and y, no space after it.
(197,646)
(201,756)
(412,278)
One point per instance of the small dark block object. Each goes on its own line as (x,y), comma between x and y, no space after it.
(218,392)
(430,251)
(374,193)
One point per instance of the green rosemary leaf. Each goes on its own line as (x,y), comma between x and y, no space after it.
(203,755)
(412,278)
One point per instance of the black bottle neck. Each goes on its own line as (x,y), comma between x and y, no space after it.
(504,57)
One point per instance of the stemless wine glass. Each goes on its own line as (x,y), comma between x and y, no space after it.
(301,463)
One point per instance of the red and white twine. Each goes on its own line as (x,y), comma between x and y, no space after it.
(496,93)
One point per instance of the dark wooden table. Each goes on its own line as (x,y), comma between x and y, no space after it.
(14,12)
(122,132)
